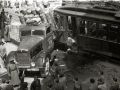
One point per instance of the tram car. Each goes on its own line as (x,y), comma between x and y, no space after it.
(96,28)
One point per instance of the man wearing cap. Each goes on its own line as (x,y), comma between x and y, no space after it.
(2,50)
(58,85)
(35,85)
(5,85)
(115,85)
(13,73)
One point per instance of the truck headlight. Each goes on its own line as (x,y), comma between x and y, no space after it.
(32,64)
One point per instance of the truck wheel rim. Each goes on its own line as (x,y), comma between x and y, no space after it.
(47,67)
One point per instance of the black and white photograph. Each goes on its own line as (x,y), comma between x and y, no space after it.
(59,44)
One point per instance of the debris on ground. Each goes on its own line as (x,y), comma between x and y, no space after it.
(87,67)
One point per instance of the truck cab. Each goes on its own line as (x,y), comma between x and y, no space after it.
(35,48)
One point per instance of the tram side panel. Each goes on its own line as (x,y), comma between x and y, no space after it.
(103,43)
(88,38)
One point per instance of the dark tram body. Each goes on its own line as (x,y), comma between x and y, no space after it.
(97,30)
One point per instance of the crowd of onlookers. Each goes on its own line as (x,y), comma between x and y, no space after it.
(56,80)
(27,11)
(32,14)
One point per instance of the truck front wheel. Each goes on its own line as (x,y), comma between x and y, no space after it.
(47,67)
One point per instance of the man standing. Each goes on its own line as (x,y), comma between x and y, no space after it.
(2,51)
(93,86)
(17,6)
(115,85)
(9,4)
(2,22)
(3,85)
(77,84)
(63,80)
(57,69)
(13,73)
(101,79)
(58,85)
(7,33)
(35,84)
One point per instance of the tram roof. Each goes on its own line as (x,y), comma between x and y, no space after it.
(28,42)
(39,27)
(88,12)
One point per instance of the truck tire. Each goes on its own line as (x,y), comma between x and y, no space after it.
(45,73)
(47,67)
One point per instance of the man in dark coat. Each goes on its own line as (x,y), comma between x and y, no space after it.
(58,85)
(115,85)
(101,78)
(2,22)
(35,85)
(24,86)
(77,84)
(93,85)
(57,70)
(17,4)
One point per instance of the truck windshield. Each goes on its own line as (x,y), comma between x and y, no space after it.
(35,32)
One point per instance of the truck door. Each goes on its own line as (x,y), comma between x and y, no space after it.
(49,38)
(48,43)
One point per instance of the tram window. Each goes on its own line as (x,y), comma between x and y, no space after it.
(103,31)
(92,29)
(56,18)
(60,22)
(73,26)
(83,27)
(69,23)
(113,33)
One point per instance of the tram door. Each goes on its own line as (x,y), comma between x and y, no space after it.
(72,25)
(62,33)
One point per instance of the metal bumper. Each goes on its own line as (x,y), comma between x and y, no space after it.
(29,68)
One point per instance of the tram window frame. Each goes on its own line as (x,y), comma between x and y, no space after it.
(83,24)
(102,35)
(69,22)
(56,17)
(60,20)
(91,27)
(115,33)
